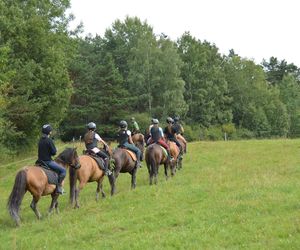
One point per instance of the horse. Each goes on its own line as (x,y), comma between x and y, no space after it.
(123,163)
(154,157)
(89,172)
(139,141)
(182,142)
(34,180)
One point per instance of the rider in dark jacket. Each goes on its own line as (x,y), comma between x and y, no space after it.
(47,149)
(125,141)
(170,132)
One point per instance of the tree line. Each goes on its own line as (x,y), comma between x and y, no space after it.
(49,74)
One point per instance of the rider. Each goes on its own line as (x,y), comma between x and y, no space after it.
(47,149)
(91,139)
(125,140)
(180,130)
(170,132)
(157,136)
(135,127)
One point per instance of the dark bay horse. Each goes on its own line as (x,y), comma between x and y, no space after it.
(139,141)
(154,157)
(88,172)
(123,163)
(34,180)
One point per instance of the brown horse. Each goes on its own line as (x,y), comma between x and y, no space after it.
(139,141)
(183,144)
(123,163)
(34,180)
(89,172)
(154,157)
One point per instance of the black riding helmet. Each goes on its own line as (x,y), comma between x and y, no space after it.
(176,118)
(46,129)
(123,124)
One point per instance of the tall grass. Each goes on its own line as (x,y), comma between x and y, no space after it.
(230,195)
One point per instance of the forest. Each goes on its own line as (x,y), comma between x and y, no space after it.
(51,74)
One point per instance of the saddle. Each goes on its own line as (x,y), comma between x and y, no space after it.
(52,176)
(131,154)
(98,159)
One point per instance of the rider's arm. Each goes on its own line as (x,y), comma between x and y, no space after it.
(99,139)
(129,137)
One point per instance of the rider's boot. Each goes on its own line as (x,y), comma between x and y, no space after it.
(106,168)
(170,157)
(59,188)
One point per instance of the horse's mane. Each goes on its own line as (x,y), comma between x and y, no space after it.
(66,155)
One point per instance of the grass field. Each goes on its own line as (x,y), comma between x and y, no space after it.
(233,195)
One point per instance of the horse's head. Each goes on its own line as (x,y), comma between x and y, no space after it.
(69,157)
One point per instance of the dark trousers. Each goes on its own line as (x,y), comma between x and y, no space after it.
(61,171)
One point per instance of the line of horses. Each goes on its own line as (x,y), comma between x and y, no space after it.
(84,169)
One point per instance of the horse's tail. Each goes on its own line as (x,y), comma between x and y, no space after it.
(16,196)
(73,179)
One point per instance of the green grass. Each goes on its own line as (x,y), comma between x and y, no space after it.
(233,195)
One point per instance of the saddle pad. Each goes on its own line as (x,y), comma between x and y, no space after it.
(99,161)
(51,175)
(132,155)
(164,151)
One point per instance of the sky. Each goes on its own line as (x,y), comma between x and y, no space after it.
(255,29)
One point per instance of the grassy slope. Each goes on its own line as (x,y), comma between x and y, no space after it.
(229,195)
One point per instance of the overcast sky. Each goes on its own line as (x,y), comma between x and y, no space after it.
(255,29)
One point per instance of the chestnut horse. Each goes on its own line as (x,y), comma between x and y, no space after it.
(34,180)
(154,157)
(123,163)
(89,172)
(139,141)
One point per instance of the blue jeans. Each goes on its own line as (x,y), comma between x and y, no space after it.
(134,149)
(61,171)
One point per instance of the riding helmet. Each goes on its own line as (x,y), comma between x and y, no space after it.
(46,129)
(155,121)
(170,120)
(176,118)
(123,124)
(91,125)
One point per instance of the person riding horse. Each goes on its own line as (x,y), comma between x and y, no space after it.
(171,132)
(47,149)
(157,136)
(125,141)
(91,139)
(179,128)
(135,129)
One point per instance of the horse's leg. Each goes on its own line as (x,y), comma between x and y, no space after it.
(133,178)
(166,170)
(99,188)
(155,174)
(33,206)
(54,196)
(80,187)
(151,173)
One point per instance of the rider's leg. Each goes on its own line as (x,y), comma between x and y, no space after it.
(105,158)
(166,146)
(136,151)
(61,171)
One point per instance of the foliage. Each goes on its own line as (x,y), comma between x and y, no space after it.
(39,51)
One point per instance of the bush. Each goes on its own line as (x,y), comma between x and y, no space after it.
(242,133)
(214,133)
(191,133)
